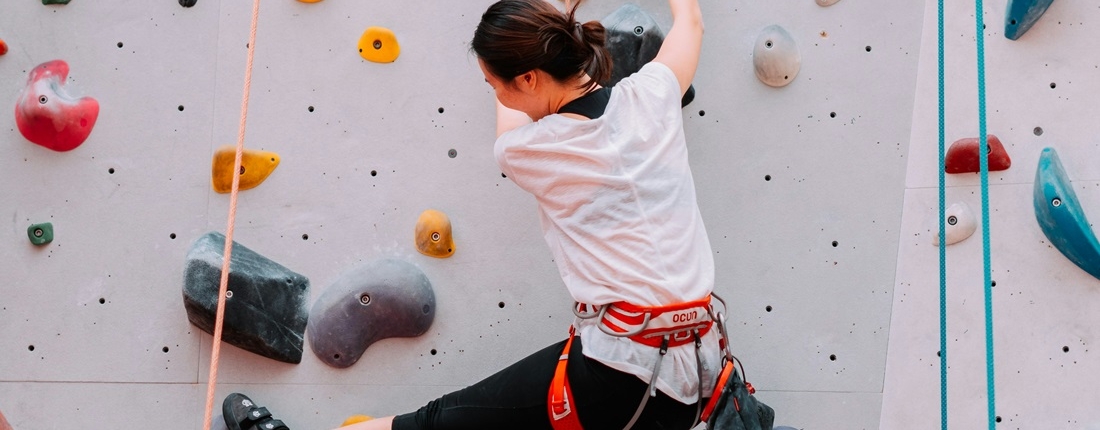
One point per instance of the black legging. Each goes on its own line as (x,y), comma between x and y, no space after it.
(515,398)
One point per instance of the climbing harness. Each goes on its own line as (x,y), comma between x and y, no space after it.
(660,327)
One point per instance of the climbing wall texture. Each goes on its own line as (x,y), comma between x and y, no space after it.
(801,189)
(1040,93)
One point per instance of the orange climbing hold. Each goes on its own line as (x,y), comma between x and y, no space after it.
(962,157)
(256,166)
(355,419)
(379,45)
(433,234)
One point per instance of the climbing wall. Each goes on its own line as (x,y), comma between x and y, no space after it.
(801,187)
(1040,94)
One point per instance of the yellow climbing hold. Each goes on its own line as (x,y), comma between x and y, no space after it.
(309,1)
(355,419)
(255,167)
(379,45)
(433,234)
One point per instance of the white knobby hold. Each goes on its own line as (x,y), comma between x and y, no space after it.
(959,224)
(775,57)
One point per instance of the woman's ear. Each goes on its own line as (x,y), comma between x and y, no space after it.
(528,81)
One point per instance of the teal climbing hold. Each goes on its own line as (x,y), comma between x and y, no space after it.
(1060,215)
(1020,15)
(40,234)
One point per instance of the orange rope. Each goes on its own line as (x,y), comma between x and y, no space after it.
(224,286)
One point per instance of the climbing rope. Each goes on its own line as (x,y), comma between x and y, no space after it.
(983,165)
(224,286)
(943,238)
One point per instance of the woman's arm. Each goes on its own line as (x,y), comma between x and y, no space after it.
(680,50)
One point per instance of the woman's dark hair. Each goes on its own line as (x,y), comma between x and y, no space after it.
(517,36)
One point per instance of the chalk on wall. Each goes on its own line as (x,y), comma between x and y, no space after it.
(775,57)
(433,234)
(633,39)
(256,166)
(962,156)
(1061,216)
(379,45)
(1021,15)
(959,224)
(378,300)
(265,305)
(48,115)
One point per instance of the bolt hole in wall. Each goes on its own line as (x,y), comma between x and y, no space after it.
(102,300)
(433,351)
(111,170)
(172,236)
(374,173)
(868,48)
(165,349)
(30,348)
(501,305)
(702,113)
(180,108)
(832,357)
(768,308)
(767,177)
(832,114)
(1053,85)
(452,153)
(310,108)
(440,110)
(1038,131)
(1065,349)
(305,236)
(120,45)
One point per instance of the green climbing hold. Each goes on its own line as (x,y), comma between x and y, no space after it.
(55,1)
(40,234)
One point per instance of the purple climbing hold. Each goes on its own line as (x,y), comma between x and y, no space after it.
(265,306)
(383,299)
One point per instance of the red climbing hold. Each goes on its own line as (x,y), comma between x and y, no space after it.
(962,157)
(3,47)
(47,115)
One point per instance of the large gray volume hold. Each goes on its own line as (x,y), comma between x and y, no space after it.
(381,299)
(265,306)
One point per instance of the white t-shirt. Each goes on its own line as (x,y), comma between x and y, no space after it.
(618,209)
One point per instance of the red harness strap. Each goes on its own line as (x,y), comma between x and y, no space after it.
(562,415)
(659,327)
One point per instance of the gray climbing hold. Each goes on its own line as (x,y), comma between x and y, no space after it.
(633,39)
(382,299)
(775,57)
(265,307)
(188,3)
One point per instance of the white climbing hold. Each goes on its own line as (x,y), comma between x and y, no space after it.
(775,57)
(959,224)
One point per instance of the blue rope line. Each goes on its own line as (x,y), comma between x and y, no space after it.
(984,166)
(943,238)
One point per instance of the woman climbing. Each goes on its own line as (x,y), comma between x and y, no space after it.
(609,170)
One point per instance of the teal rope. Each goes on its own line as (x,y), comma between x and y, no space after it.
(984,166)
(943,239)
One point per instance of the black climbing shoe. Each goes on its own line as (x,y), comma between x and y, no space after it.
(241,413)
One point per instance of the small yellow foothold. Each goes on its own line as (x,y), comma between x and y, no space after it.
(355,419)
(379,45)
(433,234)
(255,167)
(309,1)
